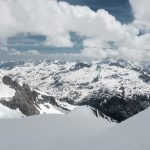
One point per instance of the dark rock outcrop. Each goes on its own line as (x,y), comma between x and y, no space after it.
(27,100)
(145,76)
(13,84)
(116,107)
(24,98)
(80,65)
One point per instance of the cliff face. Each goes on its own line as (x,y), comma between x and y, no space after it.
(25,99)
(117,107)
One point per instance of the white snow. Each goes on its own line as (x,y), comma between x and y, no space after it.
(5,112)
(66,105)
(47,108)
(79,130)
(6,91)
(77,84)
(50,132)
(132,134)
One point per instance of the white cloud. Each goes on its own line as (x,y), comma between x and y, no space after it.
(56,20)
(33,52)
(141,12)
(14,52)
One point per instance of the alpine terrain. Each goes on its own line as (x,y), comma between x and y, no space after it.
(115,89)
(81,102)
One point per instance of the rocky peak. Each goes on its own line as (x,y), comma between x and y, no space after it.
(24,98)
(27,100)
(13,84)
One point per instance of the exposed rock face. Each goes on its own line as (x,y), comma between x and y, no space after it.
(24,98)
(145,76)
(51,100)
(117,107)
(80,66)
(13,84)
(27,100)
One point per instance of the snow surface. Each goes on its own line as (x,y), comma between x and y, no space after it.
(132,134)
(50,132)
(63,79)
(48,109)
(5,91)
(79,130)
(5,112)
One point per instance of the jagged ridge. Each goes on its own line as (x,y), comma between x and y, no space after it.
(118,89)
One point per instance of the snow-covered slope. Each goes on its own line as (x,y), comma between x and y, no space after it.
(19,101)
(5,91)
(117,88)
(50,132)
(80,130)
(6,112)
(133,134)
(95,92)
(76,80)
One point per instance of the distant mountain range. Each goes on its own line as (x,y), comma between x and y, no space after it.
(114,89)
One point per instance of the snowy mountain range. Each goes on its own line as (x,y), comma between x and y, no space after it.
(115,89)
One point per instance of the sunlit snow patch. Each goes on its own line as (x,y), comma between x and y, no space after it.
(5,112)
(5,91)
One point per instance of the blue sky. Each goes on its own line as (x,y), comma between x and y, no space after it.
(119,8)
(103,28)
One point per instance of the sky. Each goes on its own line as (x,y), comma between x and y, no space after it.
(75,28)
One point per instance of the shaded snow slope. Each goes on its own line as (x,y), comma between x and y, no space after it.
(80,130)
(132,134)
(5,112)
(50,132)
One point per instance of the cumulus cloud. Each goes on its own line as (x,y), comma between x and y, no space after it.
(14,52)
(141,13)
(104,36)
(55,20)
(33,52)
